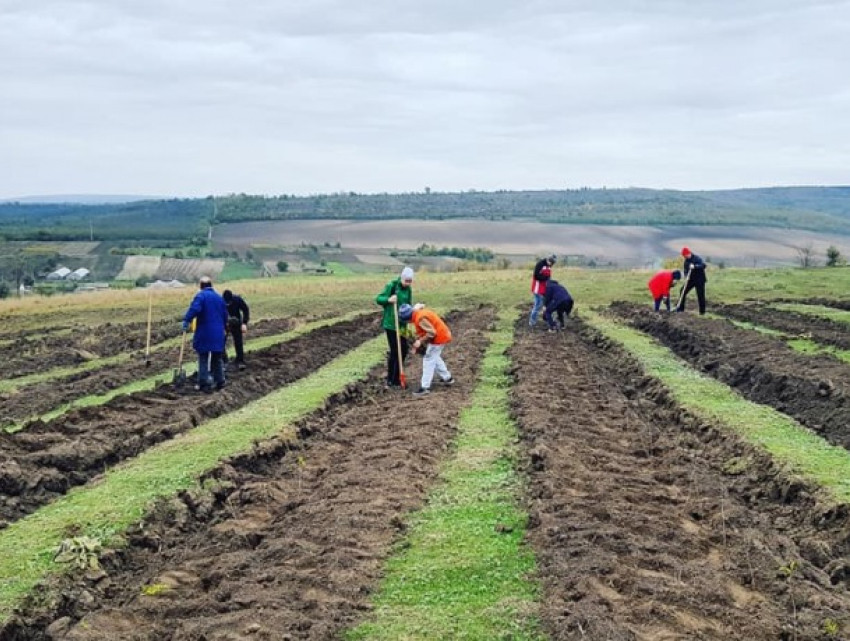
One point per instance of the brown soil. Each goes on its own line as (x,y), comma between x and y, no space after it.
(36,352)
(649,525)
(815,390)
(793,324)
(36,399)
(47,459)
(290,541)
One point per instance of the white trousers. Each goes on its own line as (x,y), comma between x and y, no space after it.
(433,362)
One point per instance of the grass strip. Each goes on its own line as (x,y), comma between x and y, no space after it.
(821,311)
(803,452)
(802,345)
(105,507)
(190,366)
(464,571)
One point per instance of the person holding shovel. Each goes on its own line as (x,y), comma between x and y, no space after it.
(237,324)
(694,269)
(660,285)
(432,335)
(209,312)
(396,294)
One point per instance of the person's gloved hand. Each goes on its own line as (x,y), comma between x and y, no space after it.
(185,326)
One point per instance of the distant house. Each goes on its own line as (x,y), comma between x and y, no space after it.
(78,274)
(60,274)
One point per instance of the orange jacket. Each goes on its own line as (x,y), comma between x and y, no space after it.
(428,326)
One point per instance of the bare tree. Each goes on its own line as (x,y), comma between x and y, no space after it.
(806,256)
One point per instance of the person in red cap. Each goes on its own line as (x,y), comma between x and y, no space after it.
(694,269)
(660,285)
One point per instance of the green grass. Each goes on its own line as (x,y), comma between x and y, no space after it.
(788,442)
(237,270)
(338,268)
(464,572)
(104,508)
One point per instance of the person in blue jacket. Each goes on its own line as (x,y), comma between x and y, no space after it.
(209,311)
(557,300)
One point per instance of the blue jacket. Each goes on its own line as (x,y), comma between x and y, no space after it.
(695,266)
(555,295)
(210,310)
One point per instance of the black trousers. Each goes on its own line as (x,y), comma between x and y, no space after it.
(234,327)
(393,368)
(563,310)
(700,287)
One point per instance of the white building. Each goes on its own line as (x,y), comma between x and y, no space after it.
(59,274)
(78,274)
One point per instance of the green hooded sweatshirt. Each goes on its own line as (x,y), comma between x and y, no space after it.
(404,295)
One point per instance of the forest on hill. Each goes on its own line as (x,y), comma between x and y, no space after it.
(821,209)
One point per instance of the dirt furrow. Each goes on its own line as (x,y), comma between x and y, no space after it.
(48,458)
(32,400)
(649,525)
(288,541)
(815,390)
(793,324)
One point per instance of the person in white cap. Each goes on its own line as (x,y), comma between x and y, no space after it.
(396,293)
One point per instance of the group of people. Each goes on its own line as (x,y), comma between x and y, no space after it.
(413,325)
(407,324)
(213,318)
(661,284)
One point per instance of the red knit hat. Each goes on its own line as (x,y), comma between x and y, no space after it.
(686,252)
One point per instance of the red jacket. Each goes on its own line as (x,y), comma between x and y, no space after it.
(661,283)
(542,273)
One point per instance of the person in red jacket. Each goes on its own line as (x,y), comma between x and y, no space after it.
(660,286)
(542,273)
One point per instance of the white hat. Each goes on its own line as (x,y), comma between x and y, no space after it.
(407,273)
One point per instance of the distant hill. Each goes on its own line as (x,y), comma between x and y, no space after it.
(818,209)
(80,199)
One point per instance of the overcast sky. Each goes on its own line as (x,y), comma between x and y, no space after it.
(198,97)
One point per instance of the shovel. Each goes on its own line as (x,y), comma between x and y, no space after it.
(150,317)
(684,287)
(402,379)
(180,374)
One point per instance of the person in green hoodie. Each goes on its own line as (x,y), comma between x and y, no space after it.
(396,293)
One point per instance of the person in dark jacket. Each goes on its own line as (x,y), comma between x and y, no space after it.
(396,293)
(694,270)
(210,313)
(542,274)
(558,300)
(237,324)
(660,285)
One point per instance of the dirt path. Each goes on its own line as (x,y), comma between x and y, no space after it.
(815,390)
(825,302)
(640,534)
(291,541)
(793,324)
(33,400)
(47,459)
(32,352)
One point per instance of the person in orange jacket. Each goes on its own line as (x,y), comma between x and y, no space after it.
(432,335)
(660,286)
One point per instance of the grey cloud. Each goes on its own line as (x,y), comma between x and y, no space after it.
(205,97)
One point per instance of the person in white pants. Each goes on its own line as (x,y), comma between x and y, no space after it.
(432,335)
